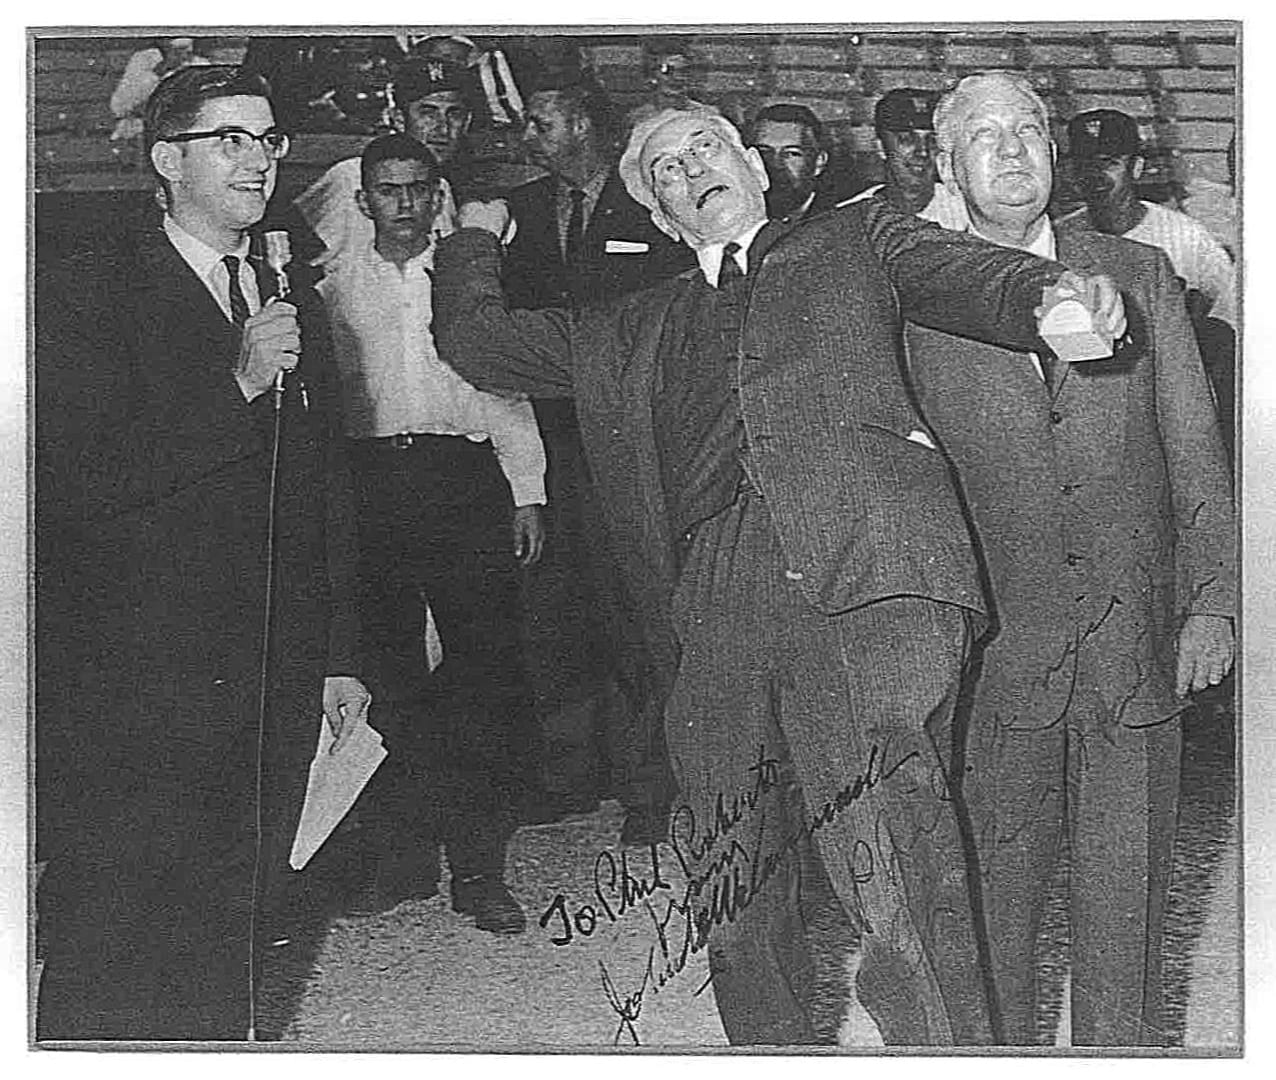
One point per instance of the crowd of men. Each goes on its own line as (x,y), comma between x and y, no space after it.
(673,453)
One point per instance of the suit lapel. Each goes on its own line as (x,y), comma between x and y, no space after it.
(175,287)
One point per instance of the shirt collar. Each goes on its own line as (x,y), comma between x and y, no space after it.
(198,255)
(593,187)
(373,258)
(710,256)
(1043,246)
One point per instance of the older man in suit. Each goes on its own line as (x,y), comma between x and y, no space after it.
(171,739)
(1100,498)
(806,581)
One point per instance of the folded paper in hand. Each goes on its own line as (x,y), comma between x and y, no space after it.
(1069,331)
(338,773)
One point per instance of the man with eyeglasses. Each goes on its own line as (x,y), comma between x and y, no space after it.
(163,809)
(792,535)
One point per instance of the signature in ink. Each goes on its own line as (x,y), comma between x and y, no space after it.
(627,1008)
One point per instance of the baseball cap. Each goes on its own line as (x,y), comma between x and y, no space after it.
(419,77)
(905,110)
(1103,133)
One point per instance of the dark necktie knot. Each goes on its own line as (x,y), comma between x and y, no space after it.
(730,271)
(238,303)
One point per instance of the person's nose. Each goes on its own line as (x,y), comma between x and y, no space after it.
(692,165)
(256,157)
(1009,144)
(406,201)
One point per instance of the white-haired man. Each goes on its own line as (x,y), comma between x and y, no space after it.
(1100,499)
(796,547)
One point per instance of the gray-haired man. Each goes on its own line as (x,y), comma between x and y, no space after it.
(796,548)
(1100,498)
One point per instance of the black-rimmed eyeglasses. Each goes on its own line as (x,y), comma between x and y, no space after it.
(237,143)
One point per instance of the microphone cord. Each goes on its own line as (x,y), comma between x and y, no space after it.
(262,706)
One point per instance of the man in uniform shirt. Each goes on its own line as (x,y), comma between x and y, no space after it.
(434,102)
(1099,497)
(1107,154)
(805,580)
(450,482)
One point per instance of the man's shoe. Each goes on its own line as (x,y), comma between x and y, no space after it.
(489,901)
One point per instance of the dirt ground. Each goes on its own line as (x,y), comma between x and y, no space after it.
(420,977)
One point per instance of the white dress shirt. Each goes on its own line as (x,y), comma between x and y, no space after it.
(209,268)
(392,380)
(710,256)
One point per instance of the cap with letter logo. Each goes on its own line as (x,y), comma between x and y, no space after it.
(1103,133)
(419,77)
(905,110)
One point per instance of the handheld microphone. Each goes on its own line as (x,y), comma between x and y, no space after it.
(278,256)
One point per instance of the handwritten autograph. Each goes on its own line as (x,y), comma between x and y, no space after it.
(723,872)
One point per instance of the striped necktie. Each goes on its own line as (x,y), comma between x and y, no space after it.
(238,304)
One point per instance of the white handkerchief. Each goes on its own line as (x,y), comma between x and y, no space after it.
(919,436)
(626,247)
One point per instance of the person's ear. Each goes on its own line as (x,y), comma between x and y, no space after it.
(821,163)
(662,223)
(167,159)
(361,200)
(754,158)
(1137,164)
(465,124)
(944,165)
(397,120)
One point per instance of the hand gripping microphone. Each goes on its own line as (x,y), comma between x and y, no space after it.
(278,256)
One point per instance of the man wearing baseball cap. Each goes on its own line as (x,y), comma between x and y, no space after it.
(434,101)
(903,120)
(1107,159)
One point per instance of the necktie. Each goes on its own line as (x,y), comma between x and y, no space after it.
(1050,370)
(730,271)
(575,242)
(238,305)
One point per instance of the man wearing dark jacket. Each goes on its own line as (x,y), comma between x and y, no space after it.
(1100,499)
(164,810)
(796,548)
(581,241)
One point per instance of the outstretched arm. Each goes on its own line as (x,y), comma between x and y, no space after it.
(490,345)
(961,284)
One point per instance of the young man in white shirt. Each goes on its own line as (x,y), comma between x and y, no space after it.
(450,483)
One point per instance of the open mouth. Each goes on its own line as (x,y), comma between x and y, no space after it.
(709,193)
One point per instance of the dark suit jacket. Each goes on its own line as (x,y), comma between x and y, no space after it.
(863,512)
(152,485)
(536,276)
(1105,512)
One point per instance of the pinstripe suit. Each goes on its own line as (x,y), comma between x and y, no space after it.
(823,616)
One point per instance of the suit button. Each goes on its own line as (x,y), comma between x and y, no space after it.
(1073,559)
(1056,417)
